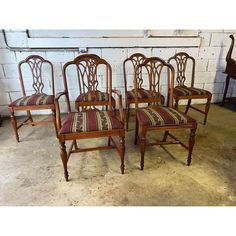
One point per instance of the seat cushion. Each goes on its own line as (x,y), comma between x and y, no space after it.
(189,91)
(142,93)
(35,99)
(159,116)
(91,97)
(89,121)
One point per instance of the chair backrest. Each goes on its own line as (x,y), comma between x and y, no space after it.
(180,61)
(35,64)
(134,61)
(88,68)
(156,69)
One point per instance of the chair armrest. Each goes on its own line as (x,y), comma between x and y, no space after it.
(118,93)
(57,106)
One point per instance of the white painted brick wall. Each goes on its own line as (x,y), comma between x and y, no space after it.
(210,63)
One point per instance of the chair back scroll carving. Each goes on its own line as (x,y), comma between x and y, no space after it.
(181,59)
(35,64)
(87,75)
(135,59)
(154,66)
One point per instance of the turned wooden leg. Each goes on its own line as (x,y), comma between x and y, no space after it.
(54,121)
(14,125)
(188,105)
(226,89)
(176,104)
(127,116)
(136,132)
(142,143)
(191,144)
(165,136)
(64,159)
(122,154)
(207,109)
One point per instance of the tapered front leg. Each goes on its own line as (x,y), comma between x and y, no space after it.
(64,159)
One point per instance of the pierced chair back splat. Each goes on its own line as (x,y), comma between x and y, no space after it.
(156,117)
(91,121)
(37,101)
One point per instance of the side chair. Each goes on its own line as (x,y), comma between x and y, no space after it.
(159,118)
(37,101)
(183,92)
(144,94)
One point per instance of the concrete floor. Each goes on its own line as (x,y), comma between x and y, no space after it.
(32,173)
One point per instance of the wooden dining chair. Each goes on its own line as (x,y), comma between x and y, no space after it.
(90,122)
(86,98)
(144,94)
(156,117)
(37,101)
(183,92)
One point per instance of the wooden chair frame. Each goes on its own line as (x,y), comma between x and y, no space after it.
(95,134)
(152,65)
(181,59)
(84,90)
(230,70)
(35,63)
(136,59)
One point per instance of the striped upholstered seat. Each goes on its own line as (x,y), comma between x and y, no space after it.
(189,91)
(91,97)
(142,93)
(158,116)
(33,100)
(90,121)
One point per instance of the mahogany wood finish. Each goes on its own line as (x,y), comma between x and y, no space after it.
(230,69)
(180,60)
(88,64)
(135,60)
(35,64)
(154,67)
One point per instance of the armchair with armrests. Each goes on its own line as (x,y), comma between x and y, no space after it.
(90,122)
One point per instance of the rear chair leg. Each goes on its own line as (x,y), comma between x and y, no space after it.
(176,104)
(122,154)
(207,109)
(30,116)
(64,159)
(54,121)
(14,125)
(136,132)
(127,117)
(165,136)
(188,105)
(191,144)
